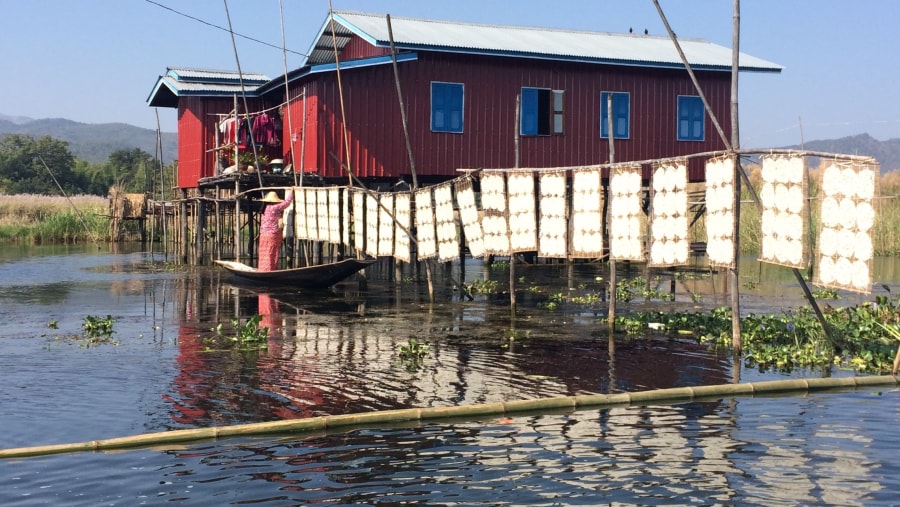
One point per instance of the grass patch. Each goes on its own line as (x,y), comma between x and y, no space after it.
(41,219)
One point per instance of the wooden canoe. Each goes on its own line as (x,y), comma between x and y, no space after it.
(311,277)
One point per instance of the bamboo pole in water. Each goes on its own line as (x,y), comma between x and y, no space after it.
(612,261)
(409,150)
(345,422)
(736,340)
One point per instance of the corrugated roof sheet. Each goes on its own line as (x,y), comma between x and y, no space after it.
(518,41)
(205,75)
(179,82)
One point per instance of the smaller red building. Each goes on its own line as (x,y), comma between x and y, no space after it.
(461,84)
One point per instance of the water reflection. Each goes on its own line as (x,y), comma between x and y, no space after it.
(333,352)
(711,453)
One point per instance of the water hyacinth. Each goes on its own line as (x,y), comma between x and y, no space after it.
(858,340)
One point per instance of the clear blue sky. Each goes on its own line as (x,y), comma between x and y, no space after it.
(96,61)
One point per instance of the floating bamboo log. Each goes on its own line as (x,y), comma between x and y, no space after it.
(509,408)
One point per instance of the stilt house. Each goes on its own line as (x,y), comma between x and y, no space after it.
(476,95)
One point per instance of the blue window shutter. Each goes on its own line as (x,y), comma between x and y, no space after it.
(604,114)
(621,121)
(455,106)
(690,118)
(529,122)
(446,107)
(438,119)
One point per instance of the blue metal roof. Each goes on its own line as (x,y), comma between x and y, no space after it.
(525,42)
(181,82)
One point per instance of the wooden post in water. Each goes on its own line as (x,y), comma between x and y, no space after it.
(409,151)
(512,256)
(736,144)
(201,230)
(183,227)
(612,261)
(237,220)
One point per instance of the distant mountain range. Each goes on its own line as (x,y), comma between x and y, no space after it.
(92,141)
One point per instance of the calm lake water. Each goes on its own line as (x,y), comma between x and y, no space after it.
(335,351)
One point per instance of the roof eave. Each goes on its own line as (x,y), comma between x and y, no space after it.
(577,59)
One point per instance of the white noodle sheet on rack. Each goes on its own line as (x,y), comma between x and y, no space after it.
(625,213)
(587,213)
(403,219)
(847,215)
(668,215)
(345,216)
(359,219)
(468,213)
(300,214)
(322,214)
(783,199)
(334,215)
(552,226)
(425,230)
(372,222)
(312,217)
(385,225)
(445,222)
(720,211)
(494,223)
(522,212)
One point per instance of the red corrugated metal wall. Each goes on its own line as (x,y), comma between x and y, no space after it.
(190,142)
(358,48)
(377,148)
(197,126)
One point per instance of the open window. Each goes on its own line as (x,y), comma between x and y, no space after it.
(542,112)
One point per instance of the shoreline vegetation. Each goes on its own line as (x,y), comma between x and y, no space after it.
(43,219)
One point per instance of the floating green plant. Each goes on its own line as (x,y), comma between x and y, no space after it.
(628,289)
(412,352)
(413,349)
(98,326)
(863,338)
(482,287)
(826,293)
(248,336)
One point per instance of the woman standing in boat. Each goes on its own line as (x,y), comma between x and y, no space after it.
(270,229)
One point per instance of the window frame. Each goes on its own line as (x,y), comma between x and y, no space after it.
(687,109)
(618,97)
(449,107)
(542,112)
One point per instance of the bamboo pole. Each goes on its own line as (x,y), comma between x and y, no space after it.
(243,95)
(337,70)
(736,339)
(409,151)
(512,255)
(345,422)
(612,261)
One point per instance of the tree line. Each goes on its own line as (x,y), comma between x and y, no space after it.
(44,165)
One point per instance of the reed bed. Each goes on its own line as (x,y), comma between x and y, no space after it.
(37,219)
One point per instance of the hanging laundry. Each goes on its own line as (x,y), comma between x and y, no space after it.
(263,129)
(228,130)
(243,137)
